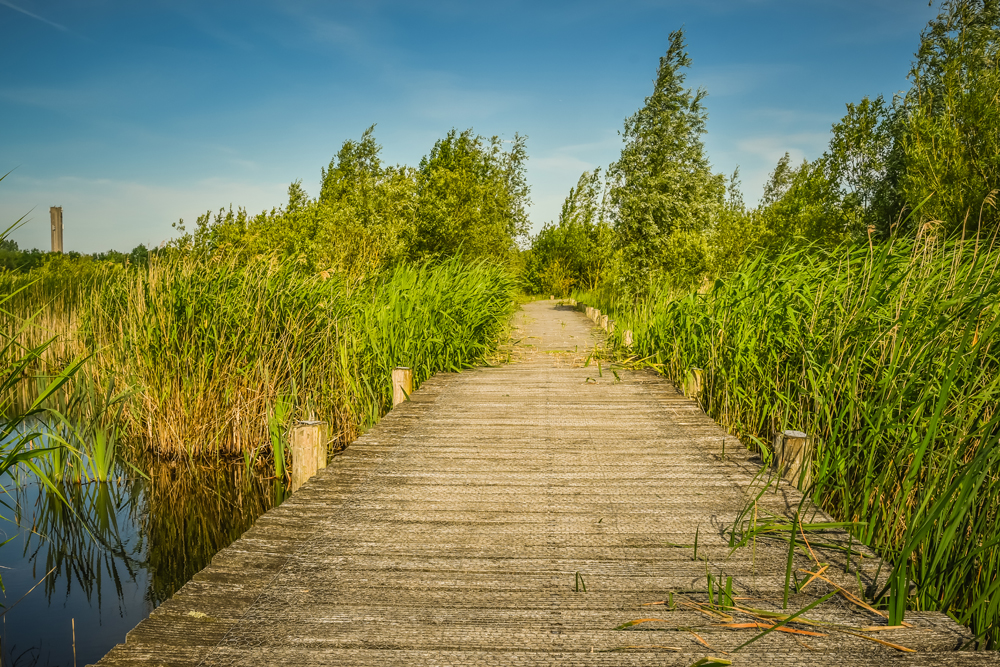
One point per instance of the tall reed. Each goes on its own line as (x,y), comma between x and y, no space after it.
(888,356)
(214,350)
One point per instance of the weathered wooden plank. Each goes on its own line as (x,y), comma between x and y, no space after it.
(454,532)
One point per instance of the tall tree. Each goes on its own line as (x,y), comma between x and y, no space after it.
(951,139)
(575,251)
(472,197)
(663,184)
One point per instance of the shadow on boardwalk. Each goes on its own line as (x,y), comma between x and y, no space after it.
(460,529)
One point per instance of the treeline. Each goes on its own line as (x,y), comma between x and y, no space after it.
(388,265)
(925,162)
(467,197)
(12,258)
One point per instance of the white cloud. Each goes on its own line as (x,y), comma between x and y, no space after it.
(444,97)
(800,146)
(561,164)
(737,78)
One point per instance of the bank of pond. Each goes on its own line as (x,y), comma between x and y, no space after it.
(167,437)
(87,560)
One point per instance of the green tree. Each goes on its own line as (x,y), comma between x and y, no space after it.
(663,183)
(803,202)
(577,250)
(365,217)
(738,231)
(951,138)
(472,197)
(584,218)
(861,159)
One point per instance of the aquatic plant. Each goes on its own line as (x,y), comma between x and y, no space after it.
(213,348)
(887,356)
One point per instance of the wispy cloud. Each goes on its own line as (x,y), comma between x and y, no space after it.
(24,11)
(734,79)
(451,100)
(800,146)
(561,163)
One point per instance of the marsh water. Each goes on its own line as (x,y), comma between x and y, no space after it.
(79,575)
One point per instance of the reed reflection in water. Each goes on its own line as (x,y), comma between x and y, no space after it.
(114,553)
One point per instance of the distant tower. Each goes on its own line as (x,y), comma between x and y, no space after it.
(56,214)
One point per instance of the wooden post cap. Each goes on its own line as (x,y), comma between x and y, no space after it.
(793,455)
(402,384)
(308,446)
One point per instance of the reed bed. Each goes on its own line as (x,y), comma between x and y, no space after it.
(887,355)
(213,350)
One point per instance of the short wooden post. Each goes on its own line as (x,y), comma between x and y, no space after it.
(308,443)
(551,297)
(627,338)
(597,316)
(402,384)
(604,322)
(692,384)
(793,455)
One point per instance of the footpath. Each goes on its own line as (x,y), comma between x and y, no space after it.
(519,515)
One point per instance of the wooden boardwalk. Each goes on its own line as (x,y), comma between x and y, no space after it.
(453,532)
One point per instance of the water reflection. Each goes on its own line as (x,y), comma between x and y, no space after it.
(113,552)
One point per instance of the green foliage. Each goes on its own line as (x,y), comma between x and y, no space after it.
(803,202)
(471,198)
(859,160)
(212,346)
(886,355)
(577,251)
(139,255)
(365,215)
(662,183)
(737,231)
(936,148)
(467,198)
(951,129)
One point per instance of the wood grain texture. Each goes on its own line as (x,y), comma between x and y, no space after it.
(452,534)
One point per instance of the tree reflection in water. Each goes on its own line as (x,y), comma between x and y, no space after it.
(115,552)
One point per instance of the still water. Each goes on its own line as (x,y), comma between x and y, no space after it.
(101,562)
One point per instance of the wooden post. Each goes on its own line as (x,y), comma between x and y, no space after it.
(402,384)
(627,338)
(551,297)
(604,322)
(597,316)
(308,443)
(55,214)
(793,455)
(692,384)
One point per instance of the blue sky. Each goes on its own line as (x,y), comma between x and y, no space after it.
(132,115)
